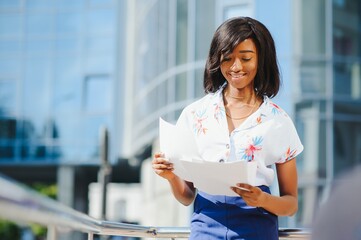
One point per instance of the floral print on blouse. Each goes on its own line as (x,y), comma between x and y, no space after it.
(268,136)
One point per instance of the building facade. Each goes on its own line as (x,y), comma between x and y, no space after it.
(68,68)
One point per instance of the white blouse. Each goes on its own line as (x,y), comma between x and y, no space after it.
(268,136)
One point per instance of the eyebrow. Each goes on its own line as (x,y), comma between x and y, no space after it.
(246,51)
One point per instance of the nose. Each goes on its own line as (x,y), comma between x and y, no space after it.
(237,65)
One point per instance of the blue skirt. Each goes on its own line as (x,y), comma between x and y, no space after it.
(223,217)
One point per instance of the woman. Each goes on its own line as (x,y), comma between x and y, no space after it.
(237,121)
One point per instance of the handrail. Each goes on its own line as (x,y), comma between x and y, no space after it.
(23,205)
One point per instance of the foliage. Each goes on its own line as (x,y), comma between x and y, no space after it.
(11,231)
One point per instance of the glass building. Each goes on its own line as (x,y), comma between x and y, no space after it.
(59,70)
(328,105)
(67,68)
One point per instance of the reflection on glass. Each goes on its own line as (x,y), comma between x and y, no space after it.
(181,87)
(97,94)
(182,33)
(102,21)
(69,23)
(313,77)
(10,4)
(347,142)
(347,79)
(313,27)
(39,24)
(10,47)
(346,28)
(7,97)
(10,24)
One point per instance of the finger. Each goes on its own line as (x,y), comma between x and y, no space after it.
(160,160)
(245,187)
(159,154)
(238,190)
(163,166)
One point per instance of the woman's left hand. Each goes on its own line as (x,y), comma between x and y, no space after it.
(253,196)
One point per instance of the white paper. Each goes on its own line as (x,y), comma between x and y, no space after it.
(215,178)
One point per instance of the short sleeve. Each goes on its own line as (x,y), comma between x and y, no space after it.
(289,142)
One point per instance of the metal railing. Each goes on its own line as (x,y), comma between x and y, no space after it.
(23,205)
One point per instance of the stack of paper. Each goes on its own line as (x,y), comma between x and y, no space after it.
(215,178)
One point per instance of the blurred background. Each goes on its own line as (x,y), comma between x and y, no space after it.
(71,68)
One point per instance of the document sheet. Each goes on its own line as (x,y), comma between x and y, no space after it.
(215,178)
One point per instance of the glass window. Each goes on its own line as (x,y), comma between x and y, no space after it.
(10,24)
(347,145)
(98,94)
(313,77)
(95,46)
(70,4)
(101,63)
(36,91)
(102,21)
(10,67)
(39,24)
(348,109)
(68,23)
(181,87)
(347,79)
(312,131)
(100,3)
(39,4)
(182,32)
(7,97)
(10,4)
(79,136)
(204,28)
(198,82)
(346,28)
(10,47)
(38,47)
(68,83)
(313,27)
(67,46)
(237,10)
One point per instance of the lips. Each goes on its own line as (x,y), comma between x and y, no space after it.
(238,75)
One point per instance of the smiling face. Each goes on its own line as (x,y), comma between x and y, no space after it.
(240,67)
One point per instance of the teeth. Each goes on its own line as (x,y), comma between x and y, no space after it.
(237,76)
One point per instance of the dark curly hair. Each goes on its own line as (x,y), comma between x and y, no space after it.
(228,35)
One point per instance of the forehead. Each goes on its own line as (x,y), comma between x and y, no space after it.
(245,46)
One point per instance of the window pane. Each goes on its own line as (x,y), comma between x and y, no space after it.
(10,25)
(68,23)
(67,84)
(38,47)
(346,27)
(348,79)
(10,67)
(10,4)
(101,22)
(97,94)
(36,91)
(347,145)
(7,97)
(204,34)
(10,48)
(182,33)
(312,131)
(313,77)
(313,27)
(39,24)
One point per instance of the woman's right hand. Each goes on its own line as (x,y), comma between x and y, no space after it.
(162,166)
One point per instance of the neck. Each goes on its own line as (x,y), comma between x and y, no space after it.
(234,97)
